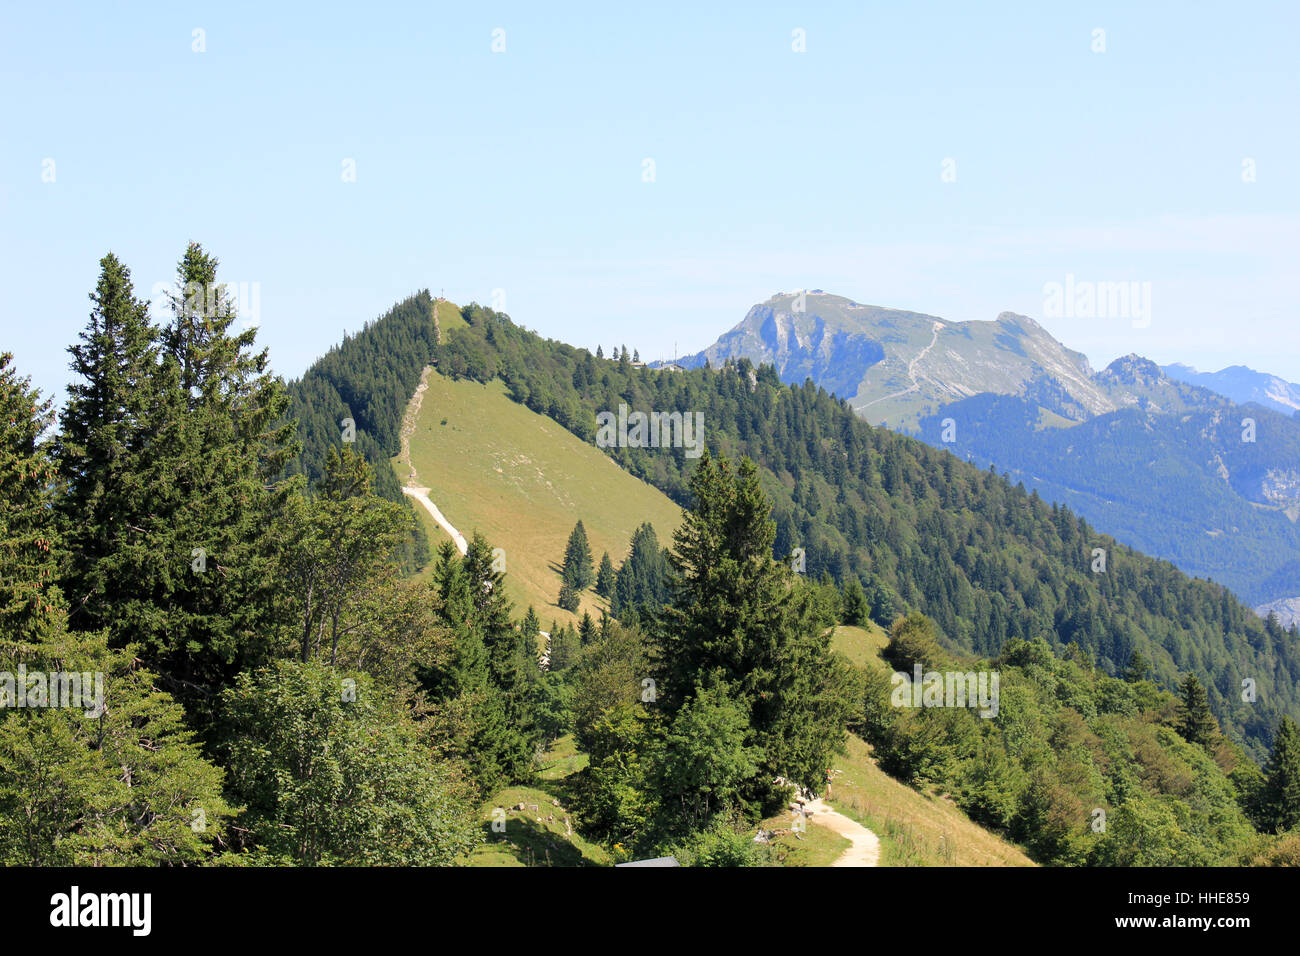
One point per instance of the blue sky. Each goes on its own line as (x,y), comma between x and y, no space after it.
(522,170)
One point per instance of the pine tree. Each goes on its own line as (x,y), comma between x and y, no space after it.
(605,576)
(108,418)
(565,649)
(577,568)
(29,544)
(568,599)
(586,629)
(494,672)
(641,585)
(114,778)
(1137,669)
(1281,793)
(1195,723)
(189,548)
(530,628)
(856,609)
(738,620)
(465,696)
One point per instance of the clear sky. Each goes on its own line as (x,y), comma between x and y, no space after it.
(524,170)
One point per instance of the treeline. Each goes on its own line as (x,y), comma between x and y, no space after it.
(920,529)
(269,688)
(201,661)
(1082,768)
(716,683)
(1099,467)
(369,377)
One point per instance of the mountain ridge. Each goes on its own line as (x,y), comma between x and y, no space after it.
(996,391)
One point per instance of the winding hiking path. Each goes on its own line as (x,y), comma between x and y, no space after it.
(911,371)
(865,850)
(422,496)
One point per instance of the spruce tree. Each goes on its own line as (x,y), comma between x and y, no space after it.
(29,543)
(856,609)
(1281,793)
(577,569)
(187,538)
(568,599)
(605,576)
(1195,722)
(106,422)
(565,649)
(114,778)
(641,585)
(465,696)
(738,620)
(1137,669)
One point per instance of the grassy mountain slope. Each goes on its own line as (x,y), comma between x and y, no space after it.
(915,828)
(522,480)
(368,378)
(987,560)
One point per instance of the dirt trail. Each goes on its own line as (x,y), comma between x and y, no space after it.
(422,496)
(408,424)
(911,371)
(865,850)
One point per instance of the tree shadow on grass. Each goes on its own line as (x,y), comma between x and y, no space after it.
(533,844)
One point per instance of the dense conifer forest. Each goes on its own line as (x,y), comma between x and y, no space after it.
(267,684)
(921,529)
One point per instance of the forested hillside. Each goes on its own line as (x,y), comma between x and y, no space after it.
(987,560)
(369,378)
(1231,524)
(259,683)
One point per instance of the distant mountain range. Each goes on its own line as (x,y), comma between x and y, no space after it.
(1242,385)
(1170,460)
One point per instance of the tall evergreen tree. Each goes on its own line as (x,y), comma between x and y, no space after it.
(189,547)
(103,772)
(605,576)
(739,620)
(856,609)
(29,543)
(1195,722)
(109,416)
(577,568)
(641,585)
(1281,793)
(568,598)
(1138,667)
(494,676)
(565,649)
